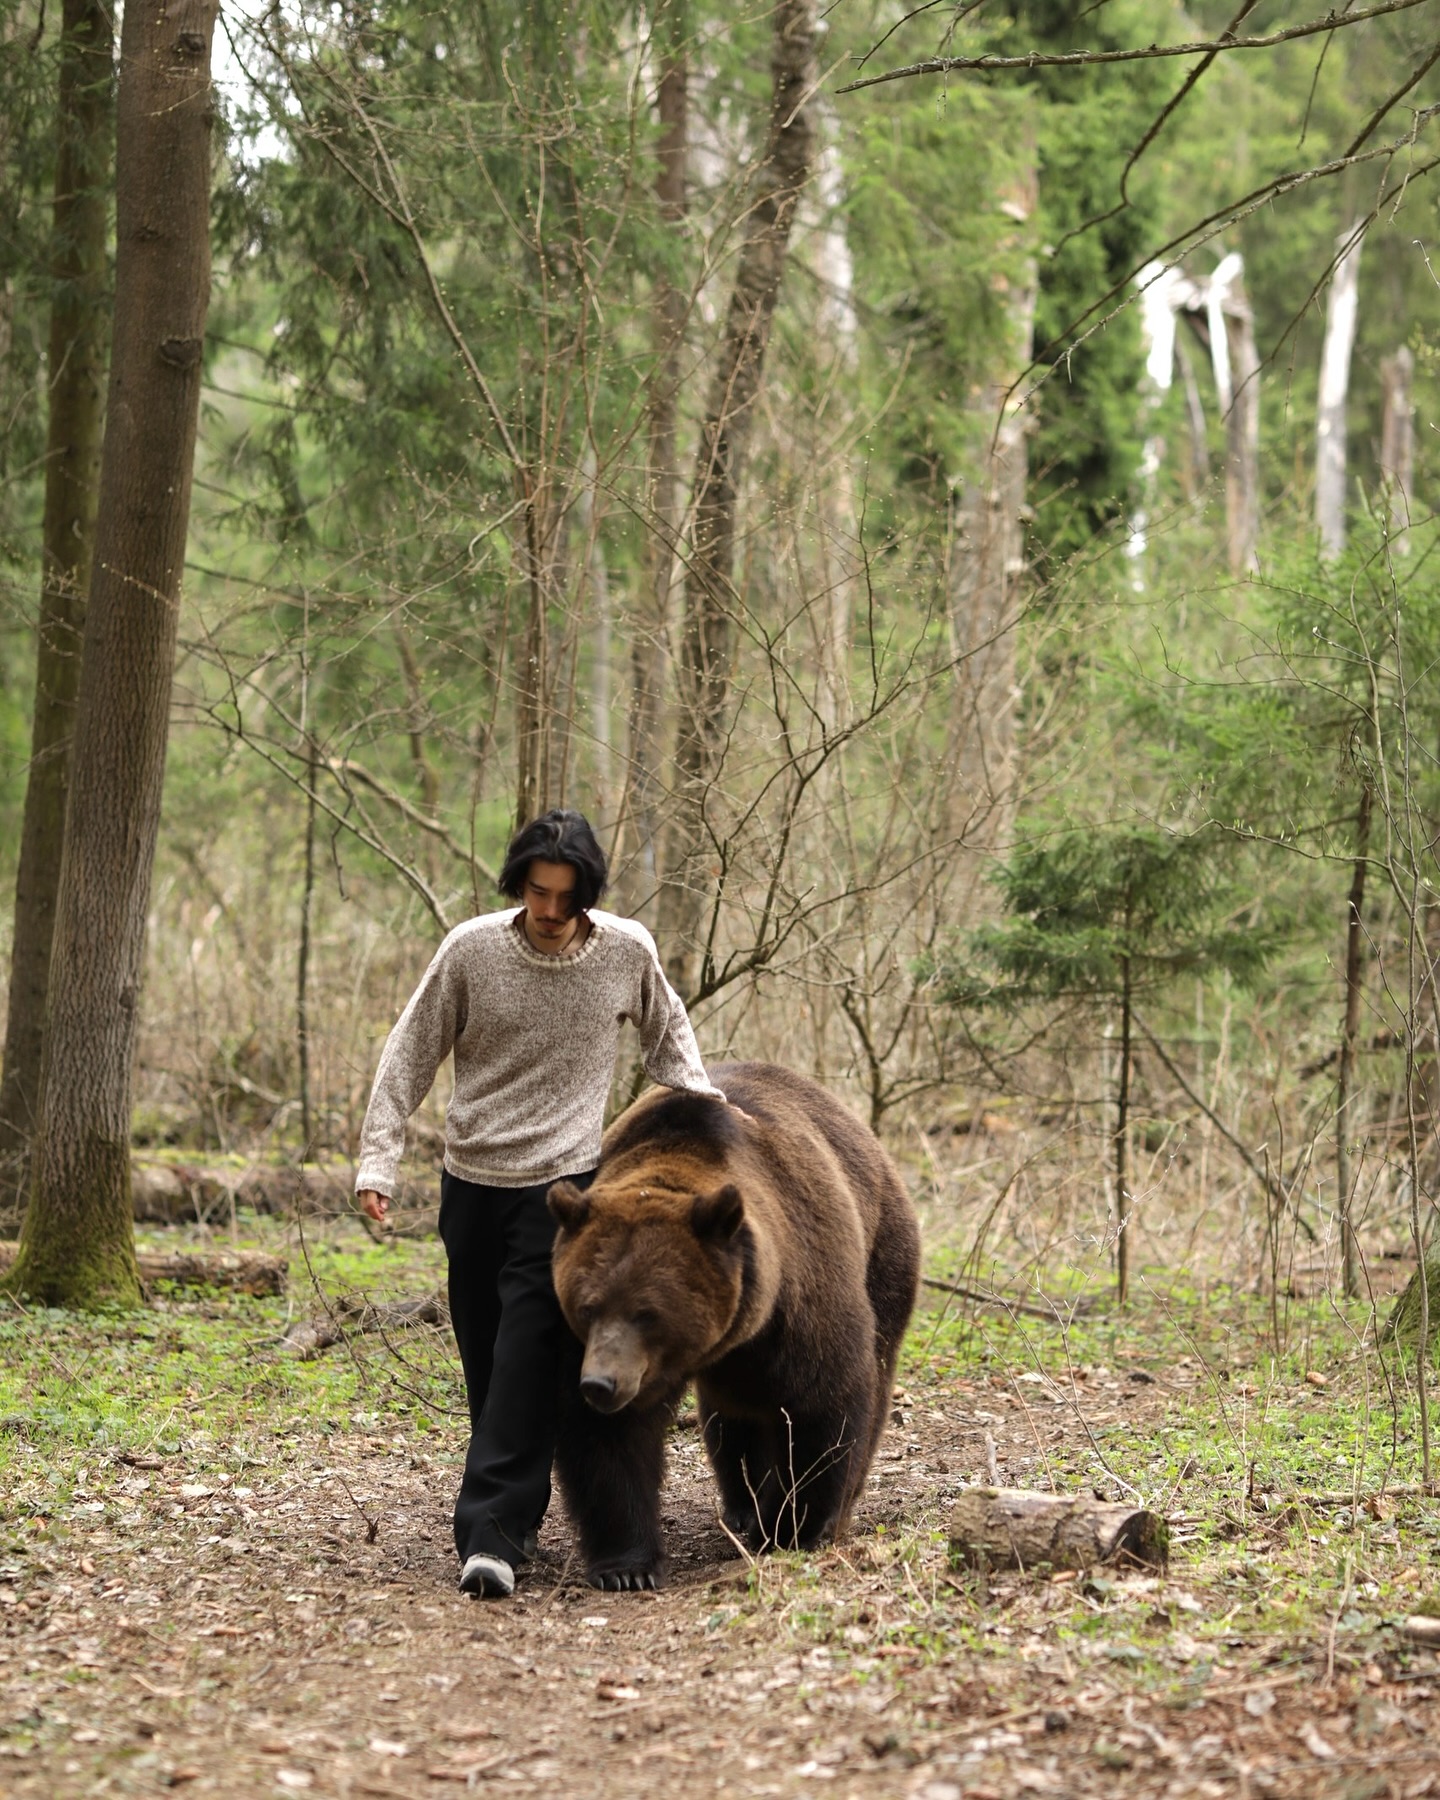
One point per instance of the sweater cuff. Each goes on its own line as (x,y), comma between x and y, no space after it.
(374,1181)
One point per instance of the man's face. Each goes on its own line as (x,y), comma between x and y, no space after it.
(549,900)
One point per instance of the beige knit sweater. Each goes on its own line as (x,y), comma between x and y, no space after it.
(535,1039)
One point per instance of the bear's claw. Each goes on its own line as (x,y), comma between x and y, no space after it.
(623,1580)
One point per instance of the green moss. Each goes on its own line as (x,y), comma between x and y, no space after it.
(1402,1328)
(77,1245)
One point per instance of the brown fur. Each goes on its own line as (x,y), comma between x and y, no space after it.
(772,1259)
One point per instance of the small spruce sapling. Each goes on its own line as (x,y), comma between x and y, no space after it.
(1103,917)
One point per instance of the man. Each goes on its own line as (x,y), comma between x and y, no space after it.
(531,1001)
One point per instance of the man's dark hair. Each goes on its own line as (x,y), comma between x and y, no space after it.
(558,836)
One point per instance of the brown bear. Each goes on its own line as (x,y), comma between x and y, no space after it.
(770,1254)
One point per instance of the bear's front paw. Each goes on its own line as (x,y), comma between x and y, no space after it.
(627,1580)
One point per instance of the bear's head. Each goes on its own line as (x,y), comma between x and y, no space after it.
(650,1281)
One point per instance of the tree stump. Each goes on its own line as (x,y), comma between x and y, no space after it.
(1402,1328)
(1013,1528)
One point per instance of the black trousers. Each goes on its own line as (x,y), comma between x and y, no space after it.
(516,1351)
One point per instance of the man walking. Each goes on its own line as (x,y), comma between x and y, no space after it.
(531,1001)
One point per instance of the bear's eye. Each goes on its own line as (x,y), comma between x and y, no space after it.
(645,1319)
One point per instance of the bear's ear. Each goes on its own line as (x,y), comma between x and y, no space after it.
(715,1218)
(569,1207)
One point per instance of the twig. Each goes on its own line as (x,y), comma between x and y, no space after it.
(1274,1188)
(1050,1312)
(1080,59)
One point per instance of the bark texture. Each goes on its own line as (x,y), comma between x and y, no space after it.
(79,345)
(711,603)
(77,1244)
(1349,1033)
(649,652)
(1013,1528)
(241,1272)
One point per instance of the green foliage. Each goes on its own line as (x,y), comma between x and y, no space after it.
(1086,447)
(1098,912)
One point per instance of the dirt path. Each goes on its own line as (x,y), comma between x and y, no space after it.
(240,1636)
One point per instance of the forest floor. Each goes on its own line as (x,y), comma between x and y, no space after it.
(228,1571)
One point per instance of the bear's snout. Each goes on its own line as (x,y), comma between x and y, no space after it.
(615,1366)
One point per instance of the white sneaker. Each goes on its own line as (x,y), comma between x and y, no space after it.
(491,1577)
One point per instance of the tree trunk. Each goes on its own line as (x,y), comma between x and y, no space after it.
(1013,1528)
(1237,385)
(1354,993)
(593,587)
(1122,1137)
(649,652)
(77,1246)
(1397,442)
(79,341)
(251,1272)
(706,648)
(988,558)
(1330,447)
(532,734)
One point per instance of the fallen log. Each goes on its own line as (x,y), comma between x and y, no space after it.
(240,1272)
(309,1337)
(177,1193)
(1012,1528)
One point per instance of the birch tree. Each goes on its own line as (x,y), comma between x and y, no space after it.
(1330,431)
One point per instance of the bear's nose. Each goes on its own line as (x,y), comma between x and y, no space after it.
(599,1392)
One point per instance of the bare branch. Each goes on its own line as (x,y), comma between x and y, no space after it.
(1079,59)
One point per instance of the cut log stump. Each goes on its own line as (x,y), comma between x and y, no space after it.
(241,1272)
(1011,1528)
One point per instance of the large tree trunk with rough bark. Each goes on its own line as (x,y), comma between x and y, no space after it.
(649,653)
(707,639)
(77,1245)
(79,342)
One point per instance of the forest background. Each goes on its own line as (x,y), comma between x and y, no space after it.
(1021,731)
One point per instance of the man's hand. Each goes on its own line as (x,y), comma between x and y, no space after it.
(373,1205)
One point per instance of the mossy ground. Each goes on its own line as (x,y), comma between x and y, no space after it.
(228,1570)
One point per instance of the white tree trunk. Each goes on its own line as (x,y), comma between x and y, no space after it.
(1334,385)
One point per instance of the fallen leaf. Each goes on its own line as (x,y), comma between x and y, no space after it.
(178,1777)
(86,1566)
(1314,1743)
(388,1747)
(608,1690)
(294,1778)
(1316,1379)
